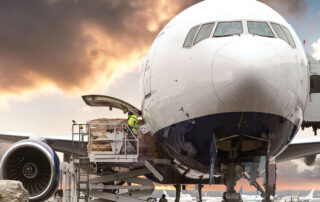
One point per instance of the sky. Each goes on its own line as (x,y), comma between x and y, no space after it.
(54,51)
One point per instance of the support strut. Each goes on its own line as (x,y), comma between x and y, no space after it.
(230,181)
(199,192)
(255,184)
(178,191)
(271,175)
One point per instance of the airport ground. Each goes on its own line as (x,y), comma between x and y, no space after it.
(214,196)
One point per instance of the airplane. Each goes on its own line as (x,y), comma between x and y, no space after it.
(225,87)
(308,198)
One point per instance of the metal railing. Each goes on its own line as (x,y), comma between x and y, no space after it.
(112,141)
(80,136)
(105,141)
(80,160)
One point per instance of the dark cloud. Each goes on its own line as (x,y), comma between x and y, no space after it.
(289,170)
(51,40)
(60,41)
(293,8)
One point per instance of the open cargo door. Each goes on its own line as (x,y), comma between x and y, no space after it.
(312,111)
(106,101)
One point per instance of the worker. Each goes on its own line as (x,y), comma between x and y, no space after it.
(133,123)
(163,198)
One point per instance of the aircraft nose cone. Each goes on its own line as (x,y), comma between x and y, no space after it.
(245,74)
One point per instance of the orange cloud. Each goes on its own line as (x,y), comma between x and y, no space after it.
(75,45)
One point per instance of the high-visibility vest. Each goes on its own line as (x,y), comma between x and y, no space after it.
(133,123)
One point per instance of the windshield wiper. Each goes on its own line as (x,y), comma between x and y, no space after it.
(263,35)
(226,35)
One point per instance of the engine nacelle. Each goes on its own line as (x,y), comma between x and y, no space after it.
(33,163)
(309,160)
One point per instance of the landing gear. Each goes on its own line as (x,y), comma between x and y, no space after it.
(199,192)
(231,196)
(232,174)
(178,191)
(270,181)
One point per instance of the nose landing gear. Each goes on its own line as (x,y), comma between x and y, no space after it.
(199,192)
(178,191)
(271,176)
(231,174)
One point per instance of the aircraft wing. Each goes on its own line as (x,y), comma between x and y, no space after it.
(14,137)
(61,143)
(300,147)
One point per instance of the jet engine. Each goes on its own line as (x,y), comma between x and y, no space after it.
(309,160)
(33,163)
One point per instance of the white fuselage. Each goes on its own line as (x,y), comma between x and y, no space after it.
(226,74)
(219,75)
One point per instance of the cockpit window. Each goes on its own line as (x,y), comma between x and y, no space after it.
(190,36)
(279,31)
(289,36)
(228,29)
(204,32)
(260,28)
(283,33)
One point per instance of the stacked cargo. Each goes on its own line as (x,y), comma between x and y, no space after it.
(106,134)
(111,138)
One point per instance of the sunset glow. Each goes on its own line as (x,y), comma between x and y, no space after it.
(53,51)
